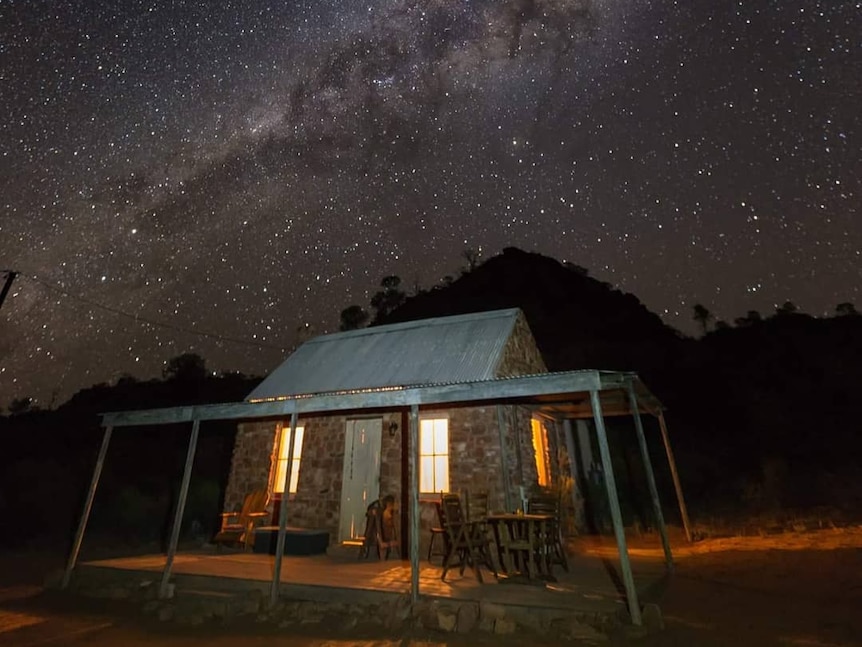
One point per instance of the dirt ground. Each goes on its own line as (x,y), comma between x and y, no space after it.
(796,589)
(802,589)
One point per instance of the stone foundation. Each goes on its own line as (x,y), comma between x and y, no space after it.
(394,614)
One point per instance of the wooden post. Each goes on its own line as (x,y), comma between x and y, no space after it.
(282,512)
(413,451)
(88,506)
(653,490)
(683,511)
(504,460)
(616,514)
(181,506)
(573,470)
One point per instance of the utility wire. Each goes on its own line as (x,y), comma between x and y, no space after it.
(145,320)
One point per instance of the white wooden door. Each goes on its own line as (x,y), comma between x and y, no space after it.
(361,476)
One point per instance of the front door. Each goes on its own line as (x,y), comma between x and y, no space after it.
(361,476)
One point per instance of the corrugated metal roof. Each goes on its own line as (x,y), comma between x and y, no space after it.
(462,348)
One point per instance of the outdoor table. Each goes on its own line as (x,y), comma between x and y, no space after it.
(519,538)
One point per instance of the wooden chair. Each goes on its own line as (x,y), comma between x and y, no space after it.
(380,529)
(551,548)
(237,528)
(468,543)
(439,531)
(476,505)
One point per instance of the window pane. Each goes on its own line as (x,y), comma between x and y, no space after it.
(426,437)
(540,449)
(441,437)
(294,476)
(441,473)
(426,474)
(297,442)
(282,448)
(278,485)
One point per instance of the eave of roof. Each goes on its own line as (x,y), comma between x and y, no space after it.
(551,390)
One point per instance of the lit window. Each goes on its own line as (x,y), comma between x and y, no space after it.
(543,457)
(433,455)
(281,463)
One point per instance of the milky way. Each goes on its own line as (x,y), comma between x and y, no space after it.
(249,171)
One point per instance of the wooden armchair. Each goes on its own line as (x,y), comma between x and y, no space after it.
(237,528)
(381,531)
(468,543)
(439,530)
(552,548)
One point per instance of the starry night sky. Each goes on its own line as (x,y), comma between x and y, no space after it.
(247,169)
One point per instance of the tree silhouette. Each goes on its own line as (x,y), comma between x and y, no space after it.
(188,367)
(786,308)
(751,318)
(389,298)
(20,405)
(846,309)
(702,316)
(352,318)
(472,257)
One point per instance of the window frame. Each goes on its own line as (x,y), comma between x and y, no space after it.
(423,494)
(281,458)
(544,473)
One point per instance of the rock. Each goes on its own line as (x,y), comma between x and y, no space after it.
(395,614)
(583,632)
(446,620)
(350,622)
(491,610)
(166,613)
(425,611)
(118,593)
(248,606)
(652,618)
(486,624)
(634,632)
(504,626)
(468,617)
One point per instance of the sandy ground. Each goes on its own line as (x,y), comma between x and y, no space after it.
(786,590)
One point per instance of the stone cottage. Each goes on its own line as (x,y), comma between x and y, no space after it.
(344,461)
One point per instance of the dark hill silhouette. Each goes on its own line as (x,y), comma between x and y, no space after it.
(578,322)
(48,458)
(762,414)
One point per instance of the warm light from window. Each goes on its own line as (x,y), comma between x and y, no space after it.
(281,464)
(434,455)
(540,447)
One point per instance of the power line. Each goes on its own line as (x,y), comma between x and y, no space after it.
(146,320)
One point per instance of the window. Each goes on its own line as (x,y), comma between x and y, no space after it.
(433,455)
(281,463)
(543,456)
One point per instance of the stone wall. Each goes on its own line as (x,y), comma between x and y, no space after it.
(318,498)
(521,356)
(474,462)
(251,463)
